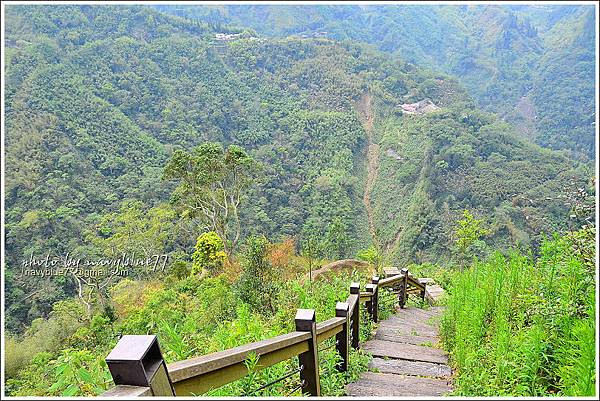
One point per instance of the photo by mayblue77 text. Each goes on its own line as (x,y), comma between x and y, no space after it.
(124,265)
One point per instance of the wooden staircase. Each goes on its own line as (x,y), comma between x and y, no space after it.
(406,361)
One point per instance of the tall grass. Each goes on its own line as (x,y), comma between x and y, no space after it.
(520,326)
(195,316)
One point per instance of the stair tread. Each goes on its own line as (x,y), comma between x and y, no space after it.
(386,384)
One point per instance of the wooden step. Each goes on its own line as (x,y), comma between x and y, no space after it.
(411,368)
(401,322)
(433,294)
(421,319)
(432,311)
(390,385)
(409,329)
(396,350)
(403,338)
(406,331)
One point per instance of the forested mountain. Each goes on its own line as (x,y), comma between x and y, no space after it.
(244,147)
(534,65)
(98,99)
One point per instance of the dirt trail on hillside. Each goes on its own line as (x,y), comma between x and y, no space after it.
(365,112)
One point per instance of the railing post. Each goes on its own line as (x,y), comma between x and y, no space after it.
(404,289)
(423,292)
(342,339)
(137,360)
(370,303)
(309,360)
(355,330)
(375,281)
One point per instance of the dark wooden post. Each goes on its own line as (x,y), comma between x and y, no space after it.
(375,281)
(404,289)
(309,360)
(423,292)
(342,339)
(371,302)
(138,361)
(355,316)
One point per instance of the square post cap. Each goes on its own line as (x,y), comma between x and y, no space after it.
(341,309)
(134,360)
(305,318)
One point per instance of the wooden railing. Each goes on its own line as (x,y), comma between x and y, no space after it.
(138,368)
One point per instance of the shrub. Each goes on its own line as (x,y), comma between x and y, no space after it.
(257,284)
(209,253)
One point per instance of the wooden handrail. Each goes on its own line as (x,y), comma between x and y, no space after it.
(352,301)
(140,377)
(389,281)
(415,282)
(329,328)
(364,296)
(183,370)
(126,391)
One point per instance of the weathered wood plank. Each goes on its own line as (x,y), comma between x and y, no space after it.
(198,375)
(411,368)
(430,311)
(417,317)
(407,339)
(428,323)
(410,327)
(365,296)
(128,391)
(391,280)
(410,352)
(407,330)
(391,385)
(415,282)
(329,328)
(201,383)
(433,294)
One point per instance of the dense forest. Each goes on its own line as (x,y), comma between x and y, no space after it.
(532,64)
(244,155)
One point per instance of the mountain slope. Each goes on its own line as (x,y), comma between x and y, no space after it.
(510,58)
(98,98)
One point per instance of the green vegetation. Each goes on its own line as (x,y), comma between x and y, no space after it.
(237,167)
(98,107)
(519,325)
(191,316)
(532,64)
(213,184)
(434,166)
(209,253)
(468,234)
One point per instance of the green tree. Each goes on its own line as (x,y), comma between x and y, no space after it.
(209,253)
(212,184)
(310,247)
(135,230)
(337,240)
(469,232)
(371,255)
(256,286)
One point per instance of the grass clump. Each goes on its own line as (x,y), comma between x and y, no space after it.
(516,325)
